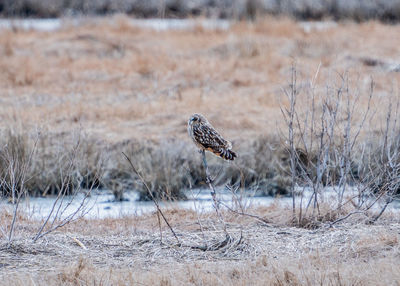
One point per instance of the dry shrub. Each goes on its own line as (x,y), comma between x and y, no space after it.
(164,167)
(280,214)
(169,167)
(52,158)
(327,137)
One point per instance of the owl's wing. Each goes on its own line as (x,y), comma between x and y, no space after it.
(207,136)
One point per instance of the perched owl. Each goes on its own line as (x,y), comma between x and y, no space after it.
(207,138)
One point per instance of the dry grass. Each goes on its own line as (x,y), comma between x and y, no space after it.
(121,82)
(132,90)
(128,251)
(263,271)
(168,167)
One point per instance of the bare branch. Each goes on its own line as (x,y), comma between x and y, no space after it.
(152,196)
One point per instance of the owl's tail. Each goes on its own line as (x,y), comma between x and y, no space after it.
(227,154)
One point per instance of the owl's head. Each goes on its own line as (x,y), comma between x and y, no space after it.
(197,118)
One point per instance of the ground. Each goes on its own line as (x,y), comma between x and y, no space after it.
(130,251)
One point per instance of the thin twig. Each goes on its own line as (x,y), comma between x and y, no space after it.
(242,213)
(374,219)
(152,197)
(345,217)
(22,179)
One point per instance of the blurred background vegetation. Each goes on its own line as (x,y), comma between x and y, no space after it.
(385,10)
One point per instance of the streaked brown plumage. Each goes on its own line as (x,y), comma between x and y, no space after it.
(207,138)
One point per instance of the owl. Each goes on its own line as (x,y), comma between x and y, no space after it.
(207,138)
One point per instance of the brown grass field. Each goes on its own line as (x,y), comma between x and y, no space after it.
(119,84)
(130,251)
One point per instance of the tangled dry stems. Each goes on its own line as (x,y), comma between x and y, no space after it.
(168,167)
(130,249)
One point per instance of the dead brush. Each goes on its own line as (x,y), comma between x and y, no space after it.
(169,166)
(280,215)
(163,166)
(15,153)
(49,160)
(380,171)
(31,167)
(259,168)
(226,244)
(324,142)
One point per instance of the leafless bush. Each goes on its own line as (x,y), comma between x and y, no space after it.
(71,202)
(164,165)
(327,152)
(15,160)
(170,167)
(49,160)
(25,157)
(380,172)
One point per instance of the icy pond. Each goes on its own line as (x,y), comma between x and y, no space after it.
(48,25)
(53,24)
(101,204)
